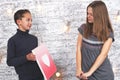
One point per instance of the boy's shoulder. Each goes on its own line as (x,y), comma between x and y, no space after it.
(17,37)
(12,37)
(32,35)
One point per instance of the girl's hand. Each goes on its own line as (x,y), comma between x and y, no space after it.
(79,74)
(85,75)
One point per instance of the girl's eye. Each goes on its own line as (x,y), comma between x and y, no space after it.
(90,14)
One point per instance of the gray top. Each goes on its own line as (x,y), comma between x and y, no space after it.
(91,48)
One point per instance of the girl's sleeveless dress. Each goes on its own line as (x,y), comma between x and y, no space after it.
(91,48)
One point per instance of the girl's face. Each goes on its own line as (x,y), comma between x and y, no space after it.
(90,15)
(26,22)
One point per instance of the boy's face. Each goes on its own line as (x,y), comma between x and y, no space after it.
(25,23)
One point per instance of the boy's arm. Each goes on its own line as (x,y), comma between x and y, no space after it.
(12,60)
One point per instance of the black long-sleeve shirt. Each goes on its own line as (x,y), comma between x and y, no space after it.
(18,47)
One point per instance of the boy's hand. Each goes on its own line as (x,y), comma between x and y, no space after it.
(30,57)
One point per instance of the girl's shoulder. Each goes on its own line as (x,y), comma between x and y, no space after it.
(82,28)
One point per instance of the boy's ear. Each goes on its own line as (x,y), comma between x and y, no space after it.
(18,21)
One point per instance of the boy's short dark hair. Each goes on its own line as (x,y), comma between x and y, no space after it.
(19,14)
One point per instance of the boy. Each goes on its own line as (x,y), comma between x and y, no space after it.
(19,48)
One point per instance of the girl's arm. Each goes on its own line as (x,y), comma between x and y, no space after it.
(100,59)
(78,56)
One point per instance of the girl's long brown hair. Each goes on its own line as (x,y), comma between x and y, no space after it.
(101,27)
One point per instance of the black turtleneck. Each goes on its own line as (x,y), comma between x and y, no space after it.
(18,47)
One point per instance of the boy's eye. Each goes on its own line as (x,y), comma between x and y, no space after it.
(29,20)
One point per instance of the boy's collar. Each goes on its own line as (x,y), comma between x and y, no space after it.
(22,32)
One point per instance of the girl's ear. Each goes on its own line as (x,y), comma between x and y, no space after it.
(18,21)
